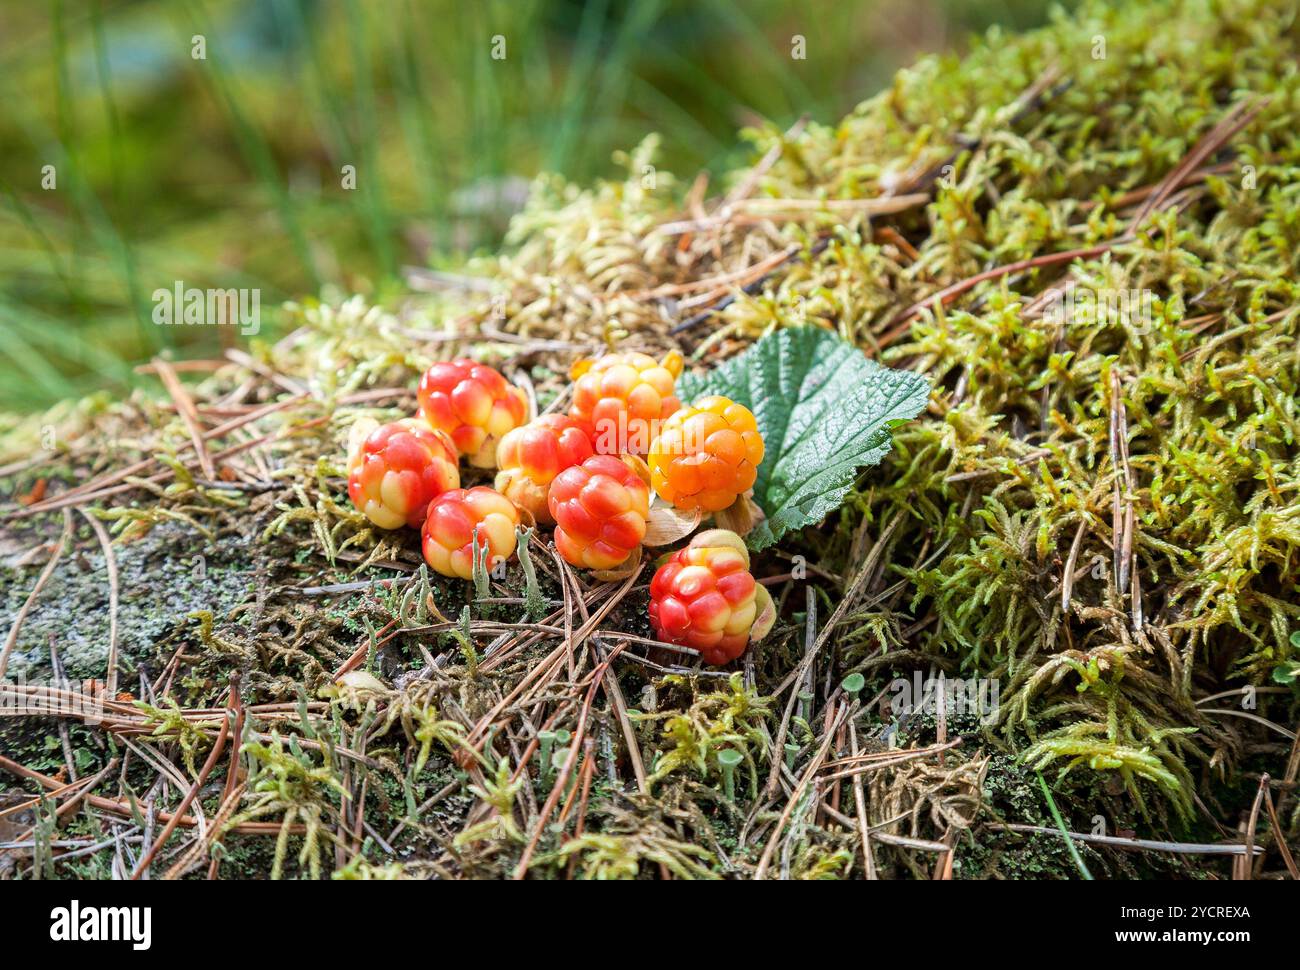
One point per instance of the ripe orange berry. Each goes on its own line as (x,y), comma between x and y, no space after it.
(706,455)
(625,397)
(600,509)
(472,403)
(530,457)
(704,597)
(398,469)
(448,533)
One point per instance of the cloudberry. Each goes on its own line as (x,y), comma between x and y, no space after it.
(448,532)
(706,455)
(530,457)
(472,403)
(398,469)
(600,509)
(704,597)
(625,397)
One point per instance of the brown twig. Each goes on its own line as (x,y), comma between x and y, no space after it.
(899,325)
(102,485)
(44,578)
(110,563)
(562,779)
(1224,131)
(125,810)
(765,860)
(213,757)
(190,417)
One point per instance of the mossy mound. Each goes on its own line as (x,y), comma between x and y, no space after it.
(1086,237)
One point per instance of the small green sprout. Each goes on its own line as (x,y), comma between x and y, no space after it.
(546,743)
(728,759)
(534,601)
(482,586)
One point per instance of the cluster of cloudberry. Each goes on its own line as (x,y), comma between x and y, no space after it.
(588,473)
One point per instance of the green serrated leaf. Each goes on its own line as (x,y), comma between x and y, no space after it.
(824,411)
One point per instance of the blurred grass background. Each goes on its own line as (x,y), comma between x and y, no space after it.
(225,171)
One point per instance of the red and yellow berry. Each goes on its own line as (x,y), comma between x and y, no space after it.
(398,469)
(600,510)
(625,397)
(530,457)
(704,597)
(449,530)
(473,404)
